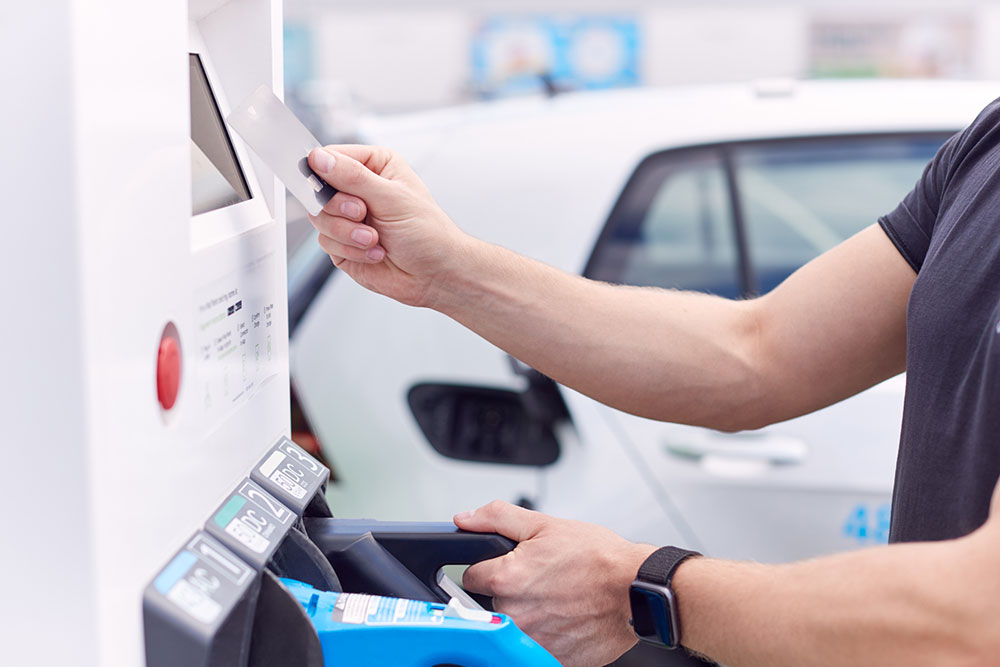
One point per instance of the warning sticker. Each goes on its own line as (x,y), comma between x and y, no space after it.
(361,609)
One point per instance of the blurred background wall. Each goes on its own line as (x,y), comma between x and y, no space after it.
(344,56)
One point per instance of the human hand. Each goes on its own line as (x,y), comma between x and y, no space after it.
(566,584)
(397,242)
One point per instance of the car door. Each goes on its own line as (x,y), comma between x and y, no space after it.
(735,220)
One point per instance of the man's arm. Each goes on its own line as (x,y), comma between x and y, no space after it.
(834,328)
(927,604)
(934,604)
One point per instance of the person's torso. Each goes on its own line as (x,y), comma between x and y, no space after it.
(949,457)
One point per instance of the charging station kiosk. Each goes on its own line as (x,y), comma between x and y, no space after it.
(151,366)
(148,379)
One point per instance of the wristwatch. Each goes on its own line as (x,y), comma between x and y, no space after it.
(655,617)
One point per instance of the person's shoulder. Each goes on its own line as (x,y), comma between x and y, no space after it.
(986,127)
(964,152)
(992,109)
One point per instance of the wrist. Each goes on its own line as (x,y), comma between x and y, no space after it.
(638,556)
(686,583)
(654,600)
(628,570)
(460,279)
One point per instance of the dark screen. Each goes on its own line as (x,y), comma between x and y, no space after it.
(216,178)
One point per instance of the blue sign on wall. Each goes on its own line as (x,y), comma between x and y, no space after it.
(298,55)
(513,54)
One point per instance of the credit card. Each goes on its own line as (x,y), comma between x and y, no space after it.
(274,133)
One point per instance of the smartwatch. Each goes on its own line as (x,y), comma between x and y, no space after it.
(655,616)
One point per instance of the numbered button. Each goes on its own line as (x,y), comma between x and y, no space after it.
(251,522)
(291,474)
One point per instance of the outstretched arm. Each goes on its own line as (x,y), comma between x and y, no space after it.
(926,604)
(834,328)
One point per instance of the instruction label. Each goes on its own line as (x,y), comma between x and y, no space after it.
(234,344)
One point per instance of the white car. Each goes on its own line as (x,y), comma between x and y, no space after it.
(726,189)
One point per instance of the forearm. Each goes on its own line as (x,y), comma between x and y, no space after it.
(911,605)
(674,356)
(832,329)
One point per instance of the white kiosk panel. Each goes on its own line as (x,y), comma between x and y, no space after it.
(152,343)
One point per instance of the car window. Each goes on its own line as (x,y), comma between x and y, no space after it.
(673,227)
(801,198)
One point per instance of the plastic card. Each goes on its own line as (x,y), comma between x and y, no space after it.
(272,131)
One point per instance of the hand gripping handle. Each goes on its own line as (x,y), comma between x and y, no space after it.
(421,548)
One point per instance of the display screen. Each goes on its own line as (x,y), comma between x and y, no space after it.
(216,178)
(650,615)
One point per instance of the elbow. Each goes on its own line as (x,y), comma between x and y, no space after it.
(752,405)
(749,419)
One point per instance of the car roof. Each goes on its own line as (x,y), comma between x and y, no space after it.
(695,114)
(540,175)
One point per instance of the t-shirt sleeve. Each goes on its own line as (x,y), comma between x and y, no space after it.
(911,224)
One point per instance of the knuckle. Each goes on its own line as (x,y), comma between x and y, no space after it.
(497,583)
(353,175)
(495,507)
(470,578)
(505,580)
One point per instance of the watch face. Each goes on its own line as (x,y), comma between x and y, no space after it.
(653,616)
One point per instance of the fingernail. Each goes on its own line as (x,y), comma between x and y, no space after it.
(362,236)
(462,516)
(324,161)
(375,254)
(351,210)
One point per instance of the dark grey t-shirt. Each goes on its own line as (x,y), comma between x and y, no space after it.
(948,229)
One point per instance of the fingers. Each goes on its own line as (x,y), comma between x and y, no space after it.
(341,251)
(484,578)
(349,175)
(347,206)
(374,157)
(342,233)
(509,520)
(345,231)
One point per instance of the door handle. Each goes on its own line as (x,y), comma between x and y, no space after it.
(758,448)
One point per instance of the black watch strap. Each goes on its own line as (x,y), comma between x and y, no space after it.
(659,568)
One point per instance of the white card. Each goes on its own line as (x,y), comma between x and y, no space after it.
(273,132)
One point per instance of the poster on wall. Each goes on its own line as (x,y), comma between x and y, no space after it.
(918,47)
(513,55)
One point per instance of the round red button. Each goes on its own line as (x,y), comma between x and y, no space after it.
(168,372)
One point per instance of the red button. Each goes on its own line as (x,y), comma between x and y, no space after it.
(168,372)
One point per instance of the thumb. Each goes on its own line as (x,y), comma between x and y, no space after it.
(348,175)
(508,520)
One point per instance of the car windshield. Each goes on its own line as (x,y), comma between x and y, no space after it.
(738,219)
